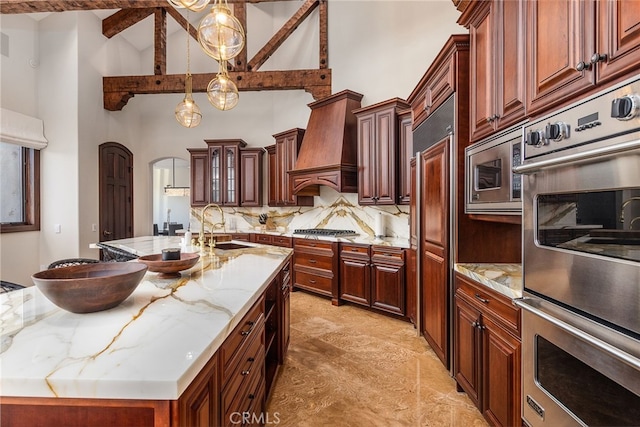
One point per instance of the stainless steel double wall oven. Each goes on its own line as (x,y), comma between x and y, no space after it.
(581,262)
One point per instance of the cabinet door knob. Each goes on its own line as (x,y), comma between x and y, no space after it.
(597,57)
(582,66)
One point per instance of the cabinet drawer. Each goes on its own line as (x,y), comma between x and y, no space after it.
(234,346)
(251,364)
(243,237)
(490,302)
(387,255)
(283,241)
(348,250)
(251,395)
(314,282)
(265,239)
(308,244)
(314,261)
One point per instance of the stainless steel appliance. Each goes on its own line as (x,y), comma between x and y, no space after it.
(324,232)
(491,186)
(581,262)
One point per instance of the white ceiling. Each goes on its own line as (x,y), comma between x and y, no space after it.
(141,34)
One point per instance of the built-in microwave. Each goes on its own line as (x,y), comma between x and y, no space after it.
(490,185)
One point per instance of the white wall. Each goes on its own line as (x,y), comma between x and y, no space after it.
(378,48)
(18,92)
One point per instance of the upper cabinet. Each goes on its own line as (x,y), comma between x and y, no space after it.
(497,54)
(282,159)
(222,174)
(576,45)
(405,148)
(378,158)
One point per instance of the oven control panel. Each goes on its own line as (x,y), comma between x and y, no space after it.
(614,112)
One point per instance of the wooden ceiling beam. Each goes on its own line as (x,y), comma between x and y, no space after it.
(118,90)
(240,12)
(278,38)
(160,42)
(123,19)
(34,6)
(324,35)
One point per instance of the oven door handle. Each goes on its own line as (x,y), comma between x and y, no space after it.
(622,356)
(597,153)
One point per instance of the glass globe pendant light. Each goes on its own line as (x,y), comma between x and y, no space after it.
(192,5)
(187,112)
(221,91)
(220,33)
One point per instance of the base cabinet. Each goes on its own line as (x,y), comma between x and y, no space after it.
(316,267)
(373,276)
(487,351)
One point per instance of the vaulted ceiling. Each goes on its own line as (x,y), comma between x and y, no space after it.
(244,71)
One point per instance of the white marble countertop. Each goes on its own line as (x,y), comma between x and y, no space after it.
(149,347)
(504,278)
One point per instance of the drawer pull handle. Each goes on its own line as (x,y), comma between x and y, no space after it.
(284,287)
(251,359)
(252,396)
(484,300)
(312,261)
(248,331)
(245,372)
(312,281)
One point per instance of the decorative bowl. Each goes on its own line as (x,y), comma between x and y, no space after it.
(90,287)
(171,268)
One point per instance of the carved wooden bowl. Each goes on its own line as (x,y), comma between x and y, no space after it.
(169,269)
(90,287)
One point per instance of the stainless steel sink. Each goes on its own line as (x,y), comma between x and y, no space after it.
(225,246)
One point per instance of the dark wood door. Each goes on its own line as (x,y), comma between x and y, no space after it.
(199,405)
(387,288)
(501,355)
(435,247)
(251,183)
(116,191)
(481,32)
(560,36)
(466,336)
(199,176)
(386,157)
(405,150)
(355,282)
(274,185)
(367,178)
(618,38)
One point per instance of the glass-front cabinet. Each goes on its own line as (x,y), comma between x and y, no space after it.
(224,157)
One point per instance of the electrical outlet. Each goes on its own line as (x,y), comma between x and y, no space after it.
(57,228)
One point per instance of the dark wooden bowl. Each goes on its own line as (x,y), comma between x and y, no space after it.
(90,287)
(169,269)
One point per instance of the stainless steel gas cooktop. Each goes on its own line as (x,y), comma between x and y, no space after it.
(324,232)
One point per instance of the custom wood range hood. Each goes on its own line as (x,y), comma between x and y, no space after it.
(328,153)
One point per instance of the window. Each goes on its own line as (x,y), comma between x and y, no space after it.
(20,189)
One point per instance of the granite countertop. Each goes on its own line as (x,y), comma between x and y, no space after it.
(504,278)
(149,347)
(364,239)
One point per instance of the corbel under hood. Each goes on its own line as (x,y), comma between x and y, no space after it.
(328,154)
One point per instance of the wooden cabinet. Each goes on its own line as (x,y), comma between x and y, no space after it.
(435,87)
(405,149)
(373,276)
(242,357)
(199,172)
(497,55)
(316,267)
(285,312)
(272,330)
(487,357)
(243,237)
(586,43)
(434,259)
(378,157)
(388,279)
(270,239)
(225,174)
(282,159)
(355,273)
(251,182)
(412,264)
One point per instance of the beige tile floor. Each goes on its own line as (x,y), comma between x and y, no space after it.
(347,366)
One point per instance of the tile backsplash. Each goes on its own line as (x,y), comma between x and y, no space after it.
(331,210)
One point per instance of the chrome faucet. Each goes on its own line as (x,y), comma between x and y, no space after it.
(624,205)
(221,224)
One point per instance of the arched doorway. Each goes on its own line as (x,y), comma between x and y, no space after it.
(171,202)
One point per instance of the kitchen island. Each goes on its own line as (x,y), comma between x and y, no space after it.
(146,353)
